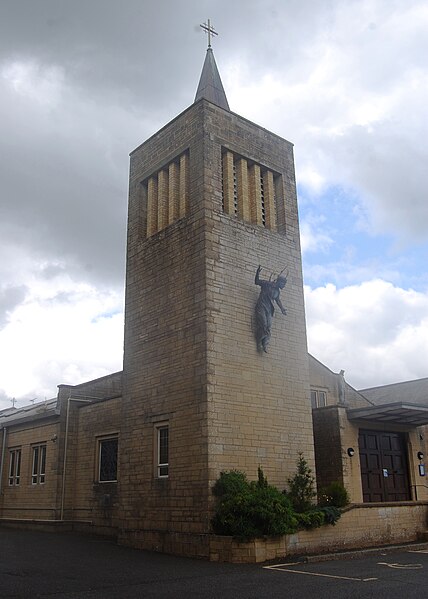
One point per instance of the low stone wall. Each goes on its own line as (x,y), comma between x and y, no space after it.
(361,526)
(79,526)
(163,541)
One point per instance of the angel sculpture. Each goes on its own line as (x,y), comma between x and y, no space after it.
(269,293)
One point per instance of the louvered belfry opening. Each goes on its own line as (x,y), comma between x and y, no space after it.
(249,190)
(167,194)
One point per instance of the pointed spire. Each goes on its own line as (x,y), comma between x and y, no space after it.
(210,86)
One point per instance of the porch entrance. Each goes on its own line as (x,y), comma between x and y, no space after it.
(384,472)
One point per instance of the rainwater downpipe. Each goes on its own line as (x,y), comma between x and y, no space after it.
(3,451)
(64,464)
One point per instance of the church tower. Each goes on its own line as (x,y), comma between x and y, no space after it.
(212,196)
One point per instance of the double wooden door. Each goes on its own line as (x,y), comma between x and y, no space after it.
(384,472)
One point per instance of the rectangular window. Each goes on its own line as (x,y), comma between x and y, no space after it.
(107,460)
(39,465)
(318,398)
(14,467)
(162,450)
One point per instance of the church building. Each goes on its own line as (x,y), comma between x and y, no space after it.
(212,196)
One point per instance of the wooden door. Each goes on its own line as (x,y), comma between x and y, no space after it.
(384,474)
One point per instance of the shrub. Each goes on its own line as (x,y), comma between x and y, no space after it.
(331,514)
(312,519)
(302,487)
(248,510)
(333,494)
(232,482)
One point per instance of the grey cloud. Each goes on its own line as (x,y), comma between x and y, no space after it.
(10,297)
(390,169)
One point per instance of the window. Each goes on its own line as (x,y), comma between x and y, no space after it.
(162,450)
(318,398)
(14,467)
(107,460)
(39,465)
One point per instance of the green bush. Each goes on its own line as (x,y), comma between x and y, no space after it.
(248,510)
(333,494)
(230,483)
(331,514)
(312,519)
(302,487)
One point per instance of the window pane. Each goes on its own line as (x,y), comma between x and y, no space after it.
(11,467)
(18,465)
(35,465)
(322,399)
(163,470)
(163,445)
(163,439)
(314,399)
(43,459)
(108,460)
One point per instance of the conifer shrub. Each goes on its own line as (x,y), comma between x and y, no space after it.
(311,519)
(302,487)
(334,494)
(331,514)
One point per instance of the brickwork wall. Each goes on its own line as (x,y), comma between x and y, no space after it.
(90,499)
(328,446)
(418,442)
(323,378)
(165,347)
(258,404)
(360,527)
(105,386)
(31,500)
(91,391)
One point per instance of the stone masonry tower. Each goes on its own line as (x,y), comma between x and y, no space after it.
(212,196)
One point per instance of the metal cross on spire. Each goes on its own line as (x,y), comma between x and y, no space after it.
(209,30)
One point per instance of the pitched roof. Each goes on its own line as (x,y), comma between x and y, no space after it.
(415,392)
(31,412)
(210,86)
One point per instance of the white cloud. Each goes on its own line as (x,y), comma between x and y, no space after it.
(313,237)
(63,332)
(354,104)
(376,332)
(37,83)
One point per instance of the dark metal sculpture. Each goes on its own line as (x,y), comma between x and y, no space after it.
(269,294)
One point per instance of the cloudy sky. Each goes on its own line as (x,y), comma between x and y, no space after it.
(83,83)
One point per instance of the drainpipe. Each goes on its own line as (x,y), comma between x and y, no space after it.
(64,464)
(3,451)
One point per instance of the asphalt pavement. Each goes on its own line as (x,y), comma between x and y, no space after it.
(40,564)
